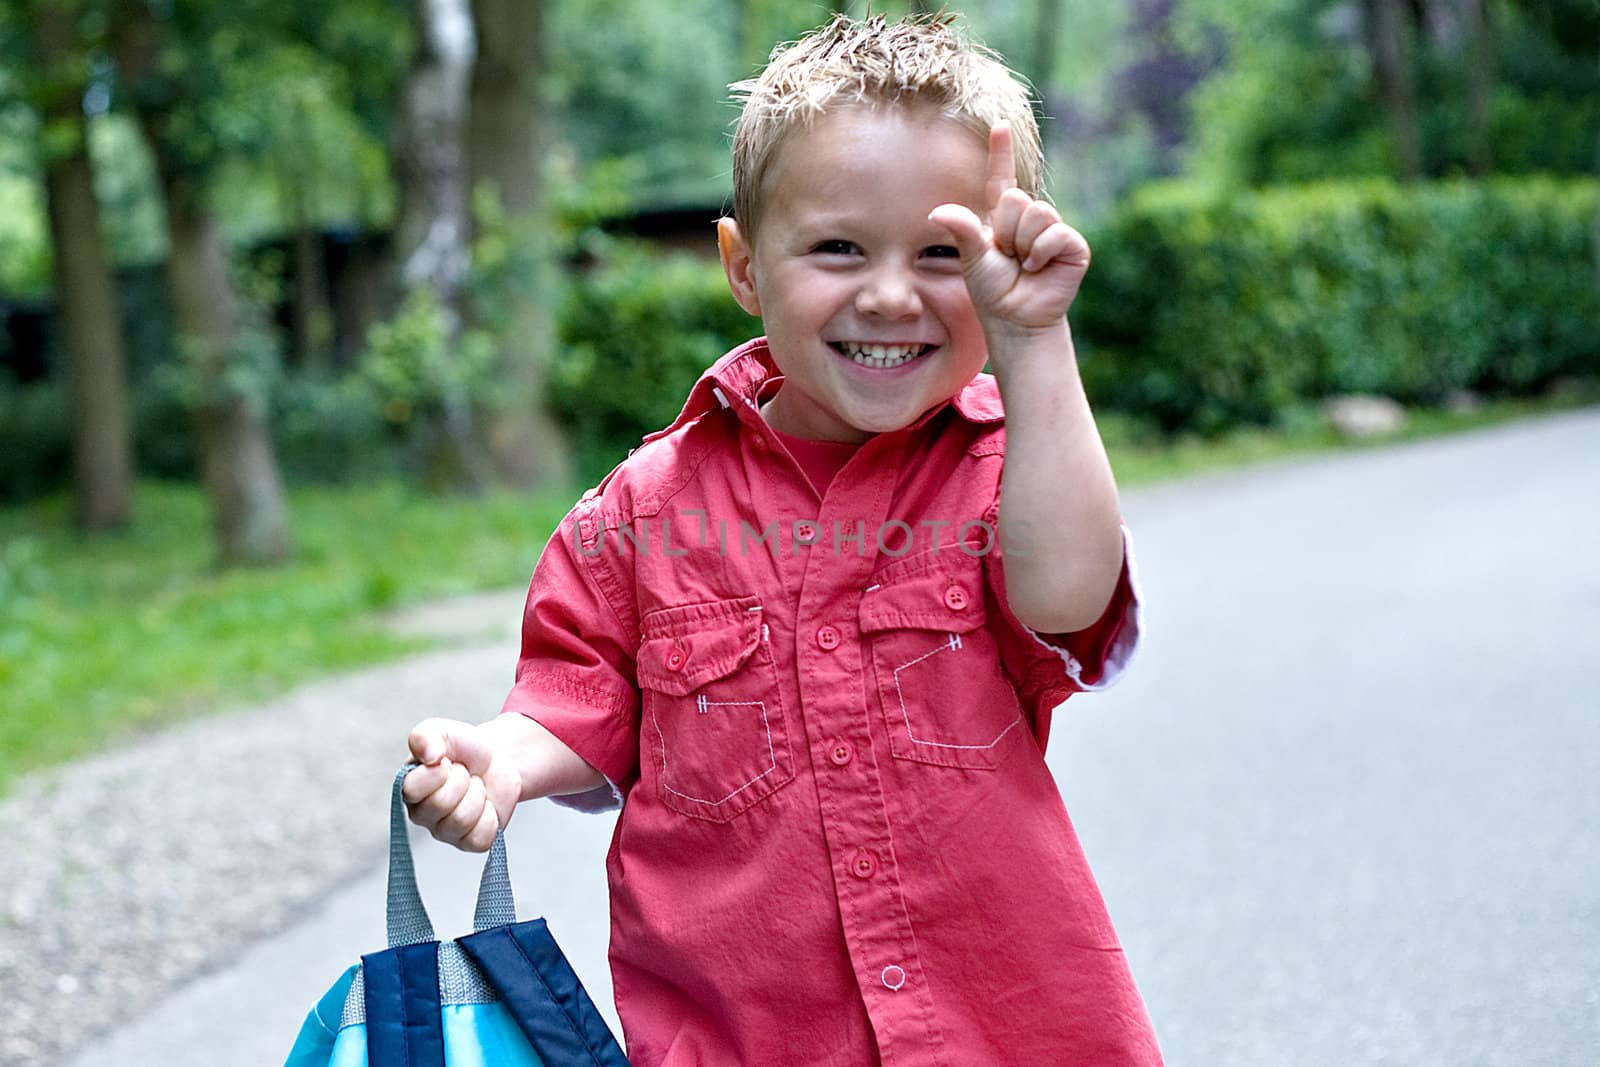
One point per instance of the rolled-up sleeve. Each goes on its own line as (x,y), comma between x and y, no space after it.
(575,675)
(1049,668)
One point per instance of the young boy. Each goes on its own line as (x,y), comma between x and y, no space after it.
(810,636)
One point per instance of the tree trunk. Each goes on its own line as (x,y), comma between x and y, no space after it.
(237,463)
(1481,69)
(1388,31)
(311,313)
(1046,35)
(505,161)
(97,361)
(432,233)
(310,304)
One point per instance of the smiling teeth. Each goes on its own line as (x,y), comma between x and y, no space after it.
(882,356)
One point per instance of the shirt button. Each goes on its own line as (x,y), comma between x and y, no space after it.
(677,658)
(841,753)
(894,977)
(863,864)
(955,598)
(827,638)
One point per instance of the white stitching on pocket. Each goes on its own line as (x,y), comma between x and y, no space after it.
(952,645)
(703,706)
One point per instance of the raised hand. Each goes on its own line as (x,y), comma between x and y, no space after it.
(1023,267)
(463,794)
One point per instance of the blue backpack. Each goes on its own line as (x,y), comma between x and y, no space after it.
(504,996)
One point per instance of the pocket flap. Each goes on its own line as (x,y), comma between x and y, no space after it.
(684,648)
(928,592)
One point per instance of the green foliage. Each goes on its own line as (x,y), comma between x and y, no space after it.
(24,237)
(125,186)
(414,368)
(103,637)
(300,154)
(1297,99)
(1205,310)
(646,84)
(331,430)
(635,334)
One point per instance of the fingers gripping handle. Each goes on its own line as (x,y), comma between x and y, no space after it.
(407,919)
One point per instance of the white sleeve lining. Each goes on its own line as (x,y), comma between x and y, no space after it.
(1122,649)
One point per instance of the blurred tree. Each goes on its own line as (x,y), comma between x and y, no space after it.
(1389,32)
(506,145)
(640,92)
(433,229)
(1154,83)
(1430,88)
(171,58)
(1480,65)
(1042,62)
(65,37)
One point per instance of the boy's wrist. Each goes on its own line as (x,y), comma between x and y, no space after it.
(544,764)
(1033,353)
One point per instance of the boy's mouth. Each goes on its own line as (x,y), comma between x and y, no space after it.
(880,357)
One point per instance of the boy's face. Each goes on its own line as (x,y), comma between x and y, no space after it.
(862,298)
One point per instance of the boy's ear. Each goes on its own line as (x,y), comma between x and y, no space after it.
(738,265)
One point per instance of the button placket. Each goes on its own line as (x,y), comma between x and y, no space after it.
(872,907)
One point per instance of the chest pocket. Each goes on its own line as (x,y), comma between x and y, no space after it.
(945,697)
(712,711)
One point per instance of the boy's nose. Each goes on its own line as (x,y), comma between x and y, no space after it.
(889,293)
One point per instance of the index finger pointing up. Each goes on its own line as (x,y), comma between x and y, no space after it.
(1002,162)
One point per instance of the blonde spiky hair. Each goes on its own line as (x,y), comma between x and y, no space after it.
(923,60)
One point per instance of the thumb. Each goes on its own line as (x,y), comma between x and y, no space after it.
(971,238)
(435,739)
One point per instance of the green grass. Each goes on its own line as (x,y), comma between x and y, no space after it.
(104,636)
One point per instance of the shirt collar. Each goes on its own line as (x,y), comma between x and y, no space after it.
(745,376)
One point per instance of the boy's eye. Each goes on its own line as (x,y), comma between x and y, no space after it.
(942,252)
(834,247)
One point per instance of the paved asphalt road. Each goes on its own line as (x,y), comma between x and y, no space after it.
(1346,809)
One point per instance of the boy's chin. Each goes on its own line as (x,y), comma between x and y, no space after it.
(874,424)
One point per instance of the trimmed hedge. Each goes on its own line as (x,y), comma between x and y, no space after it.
(1204,311)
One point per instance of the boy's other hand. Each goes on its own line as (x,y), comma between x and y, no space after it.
(463,794)
(1023,267)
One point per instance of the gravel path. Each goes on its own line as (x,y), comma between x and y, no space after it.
(129,873)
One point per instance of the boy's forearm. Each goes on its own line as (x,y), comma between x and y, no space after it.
(546,765)
(1059,513)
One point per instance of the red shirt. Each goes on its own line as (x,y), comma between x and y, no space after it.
(839,841)
(820,460)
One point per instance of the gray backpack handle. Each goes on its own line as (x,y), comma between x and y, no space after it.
(407,919)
